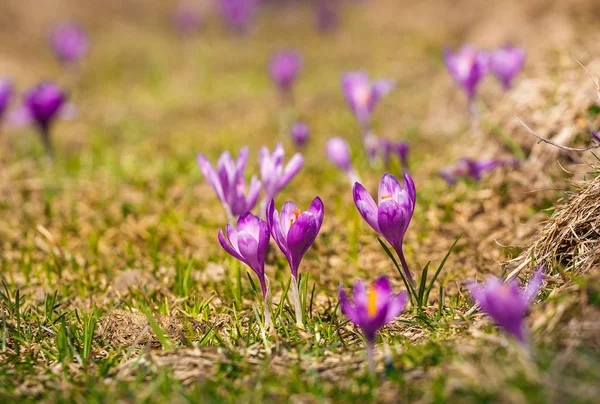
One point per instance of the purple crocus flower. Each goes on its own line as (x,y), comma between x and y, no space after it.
(187,19)
(506,303)
(300,133)
(6,93)
(249,243)
(294,232)
(506,63)
(372,309)
(400,149)
(275,176)
(284,68)
(338,152)
(596,136)
(42,104)
(69,42)
(238,14)
(392,217)
(362,95)
(474,169)
(467,67)
(229,184)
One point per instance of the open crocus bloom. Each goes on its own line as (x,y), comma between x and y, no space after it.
(275,176)
(229,184)
(467,67)
(506,303)
(362,95)
(284,68)
(373,308)
(249,243)
(391,216)
(69,42)
(474,169)
(506,63)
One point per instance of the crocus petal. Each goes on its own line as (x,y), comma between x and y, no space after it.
(360,295)
(388,187)
(228,248)
(264,236)
(347,308)
(596,135)
(242,159)
(276,228)
(232,236)
(287,216)
(318,210)
(248,247)
(253,193)
(535,284)
(366,206)
(300,237)
(211,176)
(396,306)
(249,223)
(383,291)
(291,169)
(19,117)
(392,222)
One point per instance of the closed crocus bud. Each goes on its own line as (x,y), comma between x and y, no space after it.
(392,214)
(506,303)
(69,42)
(284,68)
(238,14)
(506,63)
(249,244)
(187,19)
(326,15)
(372,309)
(300,133)
(6,93)
(467,67)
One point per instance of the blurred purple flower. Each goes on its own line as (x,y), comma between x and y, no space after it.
(362,95)
(41,106)
(474,169)
(69,42)
(338,152)
(229,184)
(275,176)
(249,244)
(394,213)
(238,14)
(300,133)
(294,232)
(596,135)
(372,309)
(506,63)
(467,67)
(6,93)
(400,149)
(187,19)
(372,146)
(506,303)
(284,68)
(326,15)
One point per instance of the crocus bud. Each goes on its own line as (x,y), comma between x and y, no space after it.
(392,214)
(338,152)
(6,93)
(238,14)
(506,63)
(69,42)
(284,68)
(326,15)
(506,303)
(249,244)
(467,67)
(44,102)
(187,19)
(300,133)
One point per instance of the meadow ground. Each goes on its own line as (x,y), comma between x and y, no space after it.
(114,286)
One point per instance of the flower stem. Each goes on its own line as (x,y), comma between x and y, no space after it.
(45,134)
(353,176)
(474,118)
(296,302)
(370,359)
(267,303)
(230,218)
(405,269)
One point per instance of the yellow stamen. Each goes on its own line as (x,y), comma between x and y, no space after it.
(372,302)
(296,214)
(386,197)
